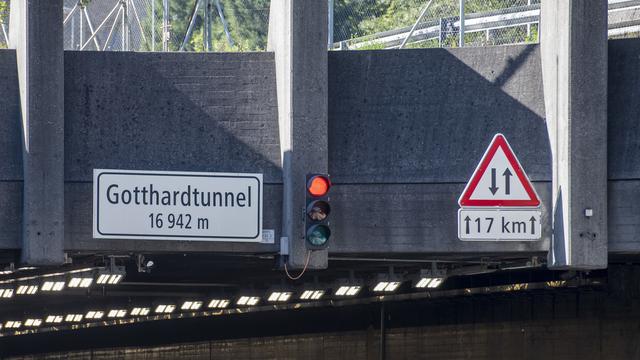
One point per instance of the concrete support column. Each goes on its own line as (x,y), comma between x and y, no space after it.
(298,36)
(574,68)
(36,34)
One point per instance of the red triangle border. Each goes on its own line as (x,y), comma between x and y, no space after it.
(499,141)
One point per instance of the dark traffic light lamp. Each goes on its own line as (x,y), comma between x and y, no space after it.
(317,231)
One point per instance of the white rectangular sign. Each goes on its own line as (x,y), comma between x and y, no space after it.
(499,224)
(172,205)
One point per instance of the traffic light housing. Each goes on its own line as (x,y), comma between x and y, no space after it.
(317,231)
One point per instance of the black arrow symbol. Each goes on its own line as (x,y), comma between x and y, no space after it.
(507,181)
(493,187)
(467,219)
(533,225)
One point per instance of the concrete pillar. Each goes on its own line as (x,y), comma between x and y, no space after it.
(574,68)
(298,36)
(36,34)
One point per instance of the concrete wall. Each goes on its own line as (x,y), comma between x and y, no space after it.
(10,152)
(175,111)
(406,130)
(624,145)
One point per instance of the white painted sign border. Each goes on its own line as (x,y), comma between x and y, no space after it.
(96,194)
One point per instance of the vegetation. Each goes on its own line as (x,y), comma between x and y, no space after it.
(4,12)
(247,22)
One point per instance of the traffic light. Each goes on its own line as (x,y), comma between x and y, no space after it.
(317,232)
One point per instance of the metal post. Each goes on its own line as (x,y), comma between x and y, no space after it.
(93,32)
(81,30)
(461,40)
(123,30)
(113,27)
(207,25)
(330,37)
(165,25)
(192,23)
(125,26)
(415,25)
(225,25)
(383,335)
(153,25)
(528,24)
(73,33)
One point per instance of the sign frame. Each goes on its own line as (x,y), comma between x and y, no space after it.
(100,233)
(526,212)
(499,141)
(493,208)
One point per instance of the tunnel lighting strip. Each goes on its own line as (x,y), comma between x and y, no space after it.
(42,276)
(144,314)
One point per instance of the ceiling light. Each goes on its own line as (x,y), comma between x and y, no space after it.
(33,322)
(429,279)
(279,296)
(11,324)
(312,294)
(54,319)
(165,308)
(218,303)
(27,289)
(111,275)
(94,314)
(348,290)
(191,305)
(248,300)
(51,285)
(73,318)
(80,281)
(117,313)
(6,293)
(140,311)
(386,286)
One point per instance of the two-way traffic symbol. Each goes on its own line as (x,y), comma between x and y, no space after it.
(507,181)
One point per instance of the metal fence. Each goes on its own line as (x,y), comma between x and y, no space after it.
(166,25)
(242,25)
(392,24)
(4,23)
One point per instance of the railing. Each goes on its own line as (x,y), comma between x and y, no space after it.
(242,25)
(624,20)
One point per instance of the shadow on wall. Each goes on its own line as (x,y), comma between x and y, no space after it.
(167,112)
(427,115)
(419,121)
(179,112)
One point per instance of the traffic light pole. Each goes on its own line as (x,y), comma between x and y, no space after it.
(298,37)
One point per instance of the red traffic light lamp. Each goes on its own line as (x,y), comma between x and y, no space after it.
(317,232)
(318,185)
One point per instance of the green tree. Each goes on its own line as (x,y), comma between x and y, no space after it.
(4,14)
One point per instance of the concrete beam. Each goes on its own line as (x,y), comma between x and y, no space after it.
(36,34)
(574,69)
(298,36)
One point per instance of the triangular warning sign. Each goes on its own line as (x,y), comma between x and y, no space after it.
(499,180)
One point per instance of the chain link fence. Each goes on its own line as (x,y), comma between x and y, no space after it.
(392,24)
(387,24)
(242,25)
(4,23)
(166,25)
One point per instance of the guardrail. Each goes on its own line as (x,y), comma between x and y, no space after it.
(624,18)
